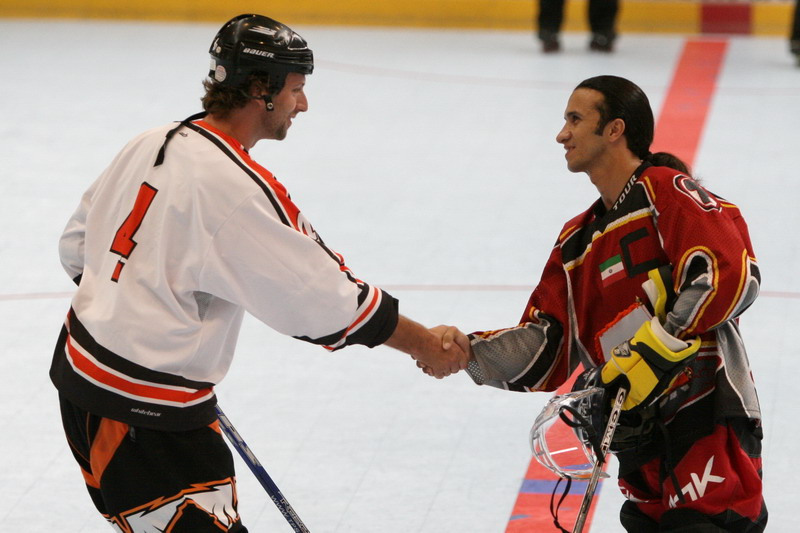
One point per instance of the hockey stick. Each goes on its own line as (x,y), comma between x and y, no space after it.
(605,444)
(261,474)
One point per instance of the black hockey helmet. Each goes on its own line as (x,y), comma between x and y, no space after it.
(254,44)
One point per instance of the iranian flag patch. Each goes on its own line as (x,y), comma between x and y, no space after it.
(612,270)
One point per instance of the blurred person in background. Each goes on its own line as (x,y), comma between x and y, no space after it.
(794,40)
(602,15)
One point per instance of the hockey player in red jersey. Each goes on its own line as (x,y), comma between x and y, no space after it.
(644,290)
(181,235)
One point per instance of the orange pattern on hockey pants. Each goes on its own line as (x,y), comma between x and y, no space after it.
(144,480)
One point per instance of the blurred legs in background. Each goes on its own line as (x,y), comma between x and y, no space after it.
(794,40)
(602,15)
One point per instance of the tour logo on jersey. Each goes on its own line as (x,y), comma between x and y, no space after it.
(693,190)
(612,270)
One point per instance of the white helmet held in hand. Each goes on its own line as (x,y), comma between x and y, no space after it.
(563,438)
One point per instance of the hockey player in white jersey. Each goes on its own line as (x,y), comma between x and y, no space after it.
(178,237)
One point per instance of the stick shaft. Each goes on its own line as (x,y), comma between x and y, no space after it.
(605,444)
(260,472)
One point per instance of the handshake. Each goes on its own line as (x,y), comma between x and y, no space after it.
(449,352)
(438,351)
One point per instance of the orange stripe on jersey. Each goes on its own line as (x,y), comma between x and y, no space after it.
(106,441)
(367,312)
(149,392)
(279,193)
(363,317)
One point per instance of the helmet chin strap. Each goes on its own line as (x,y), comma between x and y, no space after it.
(267,98)
(267,101)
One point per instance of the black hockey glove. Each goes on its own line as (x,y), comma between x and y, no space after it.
(634,429)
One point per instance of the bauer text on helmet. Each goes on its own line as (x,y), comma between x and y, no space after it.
(255,44)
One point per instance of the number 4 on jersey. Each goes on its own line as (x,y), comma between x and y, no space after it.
(124,244)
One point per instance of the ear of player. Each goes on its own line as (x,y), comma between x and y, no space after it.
(647,363)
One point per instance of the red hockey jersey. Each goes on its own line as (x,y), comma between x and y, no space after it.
(590,297)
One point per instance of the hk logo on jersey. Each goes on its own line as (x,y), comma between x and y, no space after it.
(612,270)
(696,488)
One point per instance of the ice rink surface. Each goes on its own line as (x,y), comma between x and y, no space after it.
(428,159)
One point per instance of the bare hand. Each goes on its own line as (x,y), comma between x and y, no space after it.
(440,351)
(454,343)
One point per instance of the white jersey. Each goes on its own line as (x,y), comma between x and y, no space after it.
(170,246)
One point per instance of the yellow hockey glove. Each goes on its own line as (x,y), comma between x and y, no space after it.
(647,363)
(660,292)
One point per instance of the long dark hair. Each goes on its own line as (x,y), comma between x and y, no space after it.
(625,100)
(666,159)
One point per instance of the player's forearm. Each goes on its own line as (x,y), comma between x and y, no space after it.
(427,348)
(412,338)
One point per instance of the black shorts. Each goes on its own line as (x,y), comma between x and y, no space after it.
(151,480)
